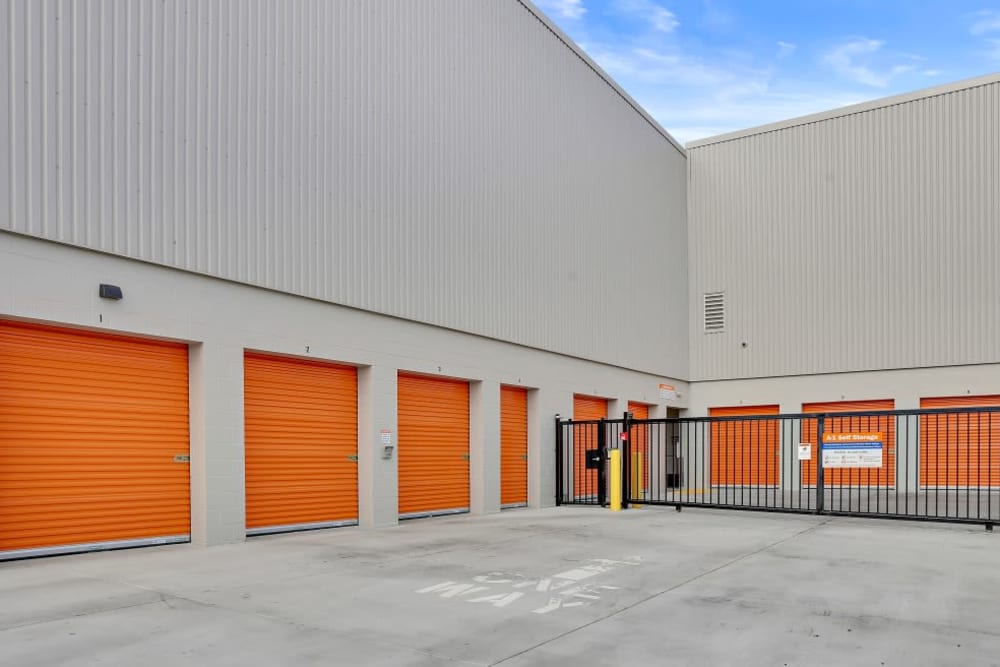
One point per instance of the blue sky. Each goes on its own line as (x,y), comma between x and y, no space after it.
(703,67)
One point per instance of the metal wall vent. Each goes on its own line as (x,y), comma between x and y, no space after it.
(715,312)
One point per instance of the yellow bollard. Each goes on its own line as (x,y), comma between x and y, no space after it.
(637,486)
(615,472)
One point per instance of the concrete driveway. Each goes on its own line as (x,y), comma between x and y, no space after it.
(560,586)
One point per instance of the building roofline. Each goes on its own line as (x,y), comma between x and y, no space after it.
(565,39)
(850,110)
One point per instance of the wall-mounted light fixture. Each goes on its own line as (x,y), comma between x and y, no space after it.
(111,292)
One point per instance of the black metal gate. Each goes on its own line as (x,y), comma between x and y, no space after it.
(937,465)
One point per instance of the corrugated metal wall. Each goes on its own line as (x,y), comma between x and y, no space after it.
(445,161)
(865,241)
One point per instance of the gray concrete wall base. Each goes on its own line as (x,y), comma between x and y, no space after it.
(217,434)
(484,447)
(378,469)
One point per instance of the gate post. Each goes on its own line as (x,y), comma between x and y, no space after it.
(820,488)
(626,445)
(602,470)
(559,461)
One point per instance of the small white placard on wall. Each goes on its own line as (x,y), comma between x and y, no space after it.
(805,451)
(668,392)
(386,436)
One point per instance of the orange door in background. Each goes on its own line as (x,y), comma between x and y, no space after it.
(433,422)
(638,438)
(960,449)
(884,476)
(93,438)
(301,421)
(585,408)
(513,446)
(745,453)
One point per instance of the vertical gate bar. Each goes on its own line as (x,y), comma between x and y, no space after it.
(937,466)
(785,466)
(868,476)
(702,444)
(593,481)
(906,464)
(602,446)
(664,463)
(654,469)
(820,491)
(979,465)
(914,424)
(797,488)
(559,470)
(754,474)
(744,452)
(650,431)
(947,466)
(771,499)
(690,478)
(626,471)
(968,452)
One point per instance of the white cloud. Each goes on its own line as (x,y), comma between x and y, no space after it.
(656,16)
(786,49)
(697,90)
(646,65)
(849,58)
(987,21)
(570,9)
(993,51)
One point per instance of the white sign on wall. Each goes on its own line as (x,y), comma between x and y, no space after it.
(805,451)
(668,392)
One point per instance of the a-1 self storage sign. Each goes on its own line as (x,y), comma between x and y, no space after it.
(852,450)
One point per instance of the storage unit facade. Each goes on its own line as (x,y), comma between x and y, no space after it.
(312,206)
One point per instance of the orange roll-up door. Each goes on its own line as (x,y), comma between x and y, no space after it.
(884,476)
(433,422)
(585,408)
(301,437)
(745,452)
(960,449)
(94,441)
(513,446)
(638,438)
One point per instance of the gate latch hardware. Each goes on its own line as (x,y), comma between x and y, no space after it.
(182,458)
(594,458)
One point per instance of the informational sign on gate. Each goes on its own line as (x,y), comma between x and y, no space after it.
(852,450)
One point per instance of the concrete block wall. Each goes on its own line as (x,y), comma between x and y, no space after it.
(58,284)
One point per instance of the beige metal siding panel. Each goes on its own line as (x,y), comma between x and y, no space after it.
(865,241)
(449,162)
